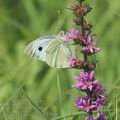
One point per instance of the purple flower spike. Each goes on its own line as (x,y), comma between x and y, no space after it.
(101,116)
(95,95)
(90,48)
(85,104)
(87,75)
(74,62)
(100,102)
(85,85)
(86,81)
(98,91)
(90,117)
(72,35)
(71,62)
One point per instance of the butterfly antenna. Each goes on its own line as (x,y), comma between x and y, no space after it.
(59,18)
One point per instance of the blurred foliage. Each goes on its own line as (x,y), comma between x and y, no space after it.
(29,89)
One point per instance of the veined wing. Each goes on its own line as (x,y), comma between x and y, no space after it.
(58,54)
(36,49)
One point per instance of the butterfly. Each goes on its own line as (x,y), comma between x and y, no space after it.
(51,49)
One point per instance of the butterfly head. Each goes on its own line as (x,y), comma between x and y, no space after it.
(61,34)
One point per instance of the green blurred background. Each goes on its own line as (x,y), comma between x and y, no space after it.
(30,89)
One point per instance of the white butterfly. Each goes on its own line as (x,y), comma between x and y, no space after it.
(51,49)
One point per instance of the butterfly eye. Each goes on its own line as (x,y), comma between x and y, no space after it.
(40,48)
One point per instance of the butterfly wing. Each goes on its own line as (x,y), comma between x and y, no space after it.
(36,49)
(58,54)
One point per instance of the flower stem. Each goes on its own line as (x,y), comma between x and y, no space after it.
(83,35)
(85,56)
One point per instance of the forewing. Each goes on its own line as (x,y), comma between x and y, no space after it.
(58,54)
(36,49)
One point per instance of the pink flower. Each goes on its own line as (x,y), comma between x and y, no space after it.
(89,46)
(85,104)
(86,81)
(100,102)
(98,91)
(90,49)
(74,62)
(72,35)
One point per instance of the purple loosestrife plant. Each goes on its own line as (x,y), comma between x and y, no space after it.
(86,82)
